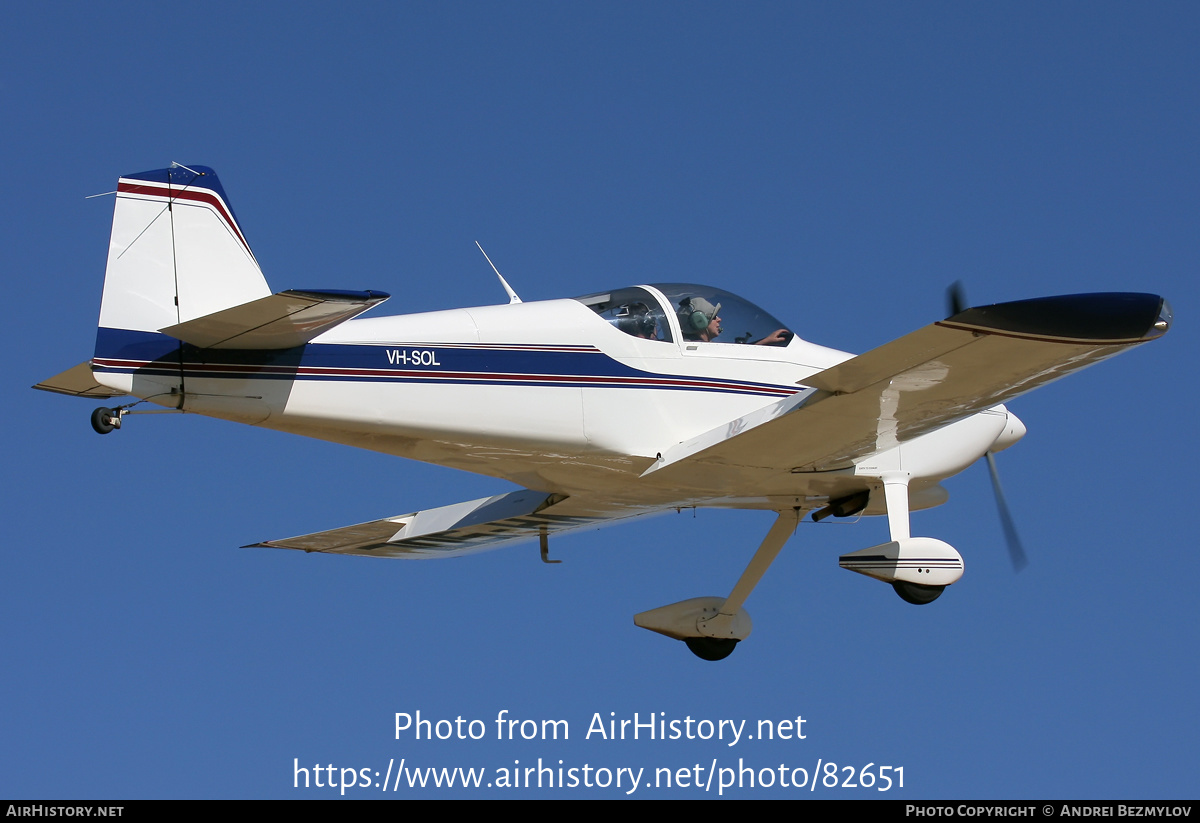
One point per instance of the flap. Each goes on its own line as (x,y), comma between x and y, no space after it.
(280,321)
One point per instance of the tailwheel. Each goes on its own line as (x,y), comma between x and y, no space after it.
(104,420)
(711,648)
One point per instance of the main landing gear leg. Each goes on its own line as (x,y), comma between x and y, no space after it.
(895,492)
(712,626)
(917,568)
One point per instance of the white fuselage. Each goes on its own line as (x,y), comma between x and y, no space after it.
(546,394)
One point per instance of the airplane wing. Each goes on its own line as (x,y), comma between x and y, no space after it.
(946,371)
(77,381)
(280,321)
(461,528)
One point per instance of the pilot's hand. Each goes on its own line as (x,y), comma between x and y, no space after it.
(779,337)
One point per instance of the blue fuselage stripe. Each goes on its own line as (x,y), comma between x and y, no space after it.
(123,351)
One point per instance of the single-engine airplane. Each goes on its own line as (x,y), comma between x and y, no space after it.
(602,407)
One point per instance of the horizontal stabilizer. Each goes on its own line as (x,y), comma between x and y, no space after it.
(78,381)
(461,528)
(280,321)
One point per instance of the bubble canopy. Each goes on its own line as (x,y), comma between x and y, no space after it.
(705,314)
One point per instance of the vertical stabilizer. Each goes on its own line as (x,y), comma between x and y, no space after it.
(176,252)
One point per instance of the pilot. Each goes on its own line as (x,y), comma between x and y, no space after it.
(698,319)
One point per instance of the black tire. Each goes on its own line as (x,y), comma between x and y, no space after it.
(917,594)
(711,648)
(102,420)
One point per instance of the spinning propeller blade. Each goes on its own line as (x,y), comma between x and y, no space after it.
(956,299)
(1015,550)
(956,303)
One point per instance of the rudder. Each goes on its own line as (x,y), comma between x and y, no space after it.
(176,252)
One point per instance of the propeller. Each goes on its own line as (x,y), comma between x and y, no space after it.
(956,303)
(1015,550)
(956,299)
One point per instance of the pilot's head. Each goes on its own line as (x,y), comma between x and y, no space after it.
(698,319)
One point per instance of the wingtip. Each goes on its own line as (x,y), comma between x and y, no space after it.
(1113,317)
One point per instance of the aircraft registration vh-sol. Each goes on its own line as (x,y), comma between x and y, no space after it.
(603,407)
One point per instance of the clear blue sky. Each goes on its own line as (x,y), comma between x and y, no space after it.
(839,164)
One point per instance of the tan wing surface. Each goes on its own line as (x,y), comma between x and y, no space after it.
(461,528)
(946,371)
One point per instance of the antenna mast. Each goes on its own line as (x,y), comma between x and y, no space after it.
(512,295)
